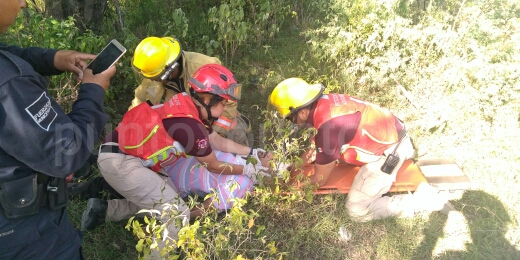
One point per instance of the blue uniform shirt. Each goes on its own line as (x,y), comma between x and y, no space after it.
(36,134)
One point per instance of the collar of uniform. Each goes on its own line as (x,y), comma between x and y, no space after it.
(310,119)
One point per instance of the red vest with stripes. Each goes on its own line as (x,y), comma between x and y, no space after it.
(142,133)
(376,131)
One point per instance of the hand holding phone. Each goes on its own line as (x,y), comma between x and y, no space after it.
(107,57)
(102,79)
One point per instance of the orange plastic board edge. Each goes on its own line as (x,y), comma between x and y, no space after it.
(341,178)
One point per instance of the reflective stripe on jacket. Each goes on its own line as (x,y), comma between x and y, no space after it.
(142,133)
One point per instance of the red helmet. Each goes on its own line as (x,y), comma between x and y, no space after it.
(216,79)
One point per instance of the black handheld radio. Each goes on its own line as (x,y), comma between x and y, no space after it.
(392,159)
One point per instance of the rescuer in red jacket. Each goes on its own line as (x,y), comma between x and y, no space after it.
(355,132)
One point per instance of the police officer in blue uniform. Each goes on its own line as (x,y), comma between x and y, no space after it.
(40,145)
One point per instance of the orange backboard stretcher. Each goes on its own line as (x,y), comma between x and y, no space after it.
(444,174)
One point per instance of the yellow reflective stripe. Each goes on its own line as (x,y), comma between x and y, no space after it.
(362,155)
(163,151)
(345,147)
(365,132)
(154,130)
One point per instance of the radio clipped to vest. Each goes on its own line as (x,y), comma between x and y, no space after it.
(393,158)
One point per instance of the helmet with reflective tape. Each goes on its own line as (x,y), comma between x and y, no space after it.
(216,79)
(155,58)
(292,94)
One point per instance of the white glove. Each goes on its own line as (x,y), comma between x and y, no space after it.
(255,154)
(253,171)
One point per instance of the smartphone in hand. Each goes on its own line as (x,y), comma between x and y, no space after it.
(107,57)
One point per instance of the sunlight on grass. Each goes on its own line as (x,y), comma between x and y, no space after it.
(455,235)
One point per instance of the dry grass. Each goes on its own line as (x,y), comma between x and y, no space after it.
(476,124)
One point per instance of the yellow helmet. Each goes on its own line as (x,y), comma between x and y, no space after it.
(154,56)
(292,94)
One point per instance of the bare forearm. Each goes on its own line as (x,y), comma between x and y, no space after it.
(225,145)
(226,168)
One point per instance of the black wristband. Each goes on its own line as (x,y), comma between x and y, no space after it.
(251,152)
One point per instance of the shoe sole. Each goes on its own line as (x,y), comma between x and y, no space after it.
(85,214)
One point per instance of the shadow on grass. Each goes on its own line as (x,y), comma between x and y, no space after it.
(487,221)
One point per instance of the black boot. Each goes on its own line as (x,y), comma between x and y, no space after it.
(94,215)
(95,188)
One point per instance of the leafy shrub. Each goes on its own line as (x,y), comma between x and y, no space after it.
(231,235)
(154,18)
(380,49)
(241,23)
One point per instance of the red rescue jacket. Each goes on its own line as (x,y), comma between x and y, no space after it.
(142,133)
(376,131)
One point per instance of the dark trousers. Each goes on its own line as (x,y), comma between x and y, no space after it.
(46,235)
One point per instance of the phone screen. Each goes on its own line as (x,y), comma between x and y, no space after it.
(106,58)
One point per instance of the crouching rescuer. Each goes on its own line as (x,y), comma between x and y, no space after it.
(356,132)
(154,148)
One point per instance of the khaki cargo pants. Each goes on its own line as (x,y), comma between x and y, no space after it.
(142,188)
(365,200)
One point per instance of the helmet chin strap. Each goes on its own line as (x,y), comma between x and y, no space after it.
(208,110)
(212,102)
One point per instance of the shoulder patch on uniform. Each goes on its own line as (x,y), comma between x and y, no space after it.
(202,143)
(42,112)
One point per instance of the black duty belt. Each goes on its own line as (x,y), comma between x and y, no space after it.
(110,149)
(24,196)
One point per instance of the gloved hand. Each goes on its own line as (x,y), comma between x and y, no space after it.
(257,153)
(261,156)
(253,171)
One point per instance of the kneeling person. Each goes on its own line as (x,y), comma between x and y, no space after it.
(359,133)
(152,138)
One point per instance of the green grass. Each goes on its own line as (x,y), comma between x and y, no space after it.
(109,241)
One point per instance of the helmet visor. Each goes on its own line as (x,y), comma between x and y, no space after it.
(234,92)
